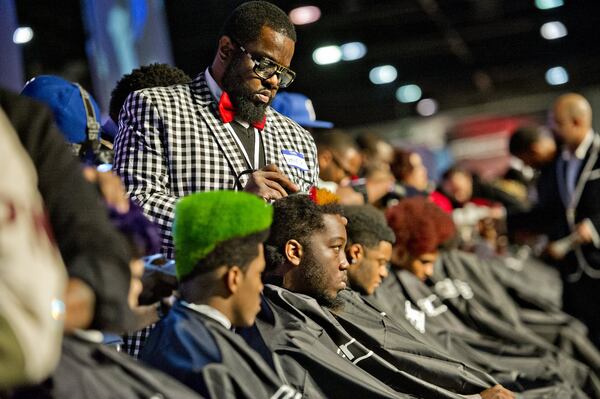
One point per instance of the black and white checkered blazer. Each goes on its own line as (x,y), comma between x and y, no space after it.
(172,142)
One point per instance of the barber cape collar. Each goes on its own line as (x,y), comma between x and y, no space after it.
(204,220)
(227,112)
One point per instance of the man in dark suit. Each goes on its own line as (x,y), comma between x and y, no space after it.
(218,132)
(568,206)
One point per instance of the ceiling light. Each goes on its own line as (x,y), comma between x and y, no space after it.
(383,74)
(353,51)
(557,76)
(427,107)
(408,93)
(553,30)
(22,35)
(548,4)
(327,55)
(305,15)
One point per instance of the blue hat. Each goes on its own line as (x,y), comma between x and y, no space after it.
(65,100)
(299,108)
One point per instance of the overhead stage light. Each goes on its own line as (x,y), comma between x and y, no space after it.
(327,55)
(353,51)
(383,74)
(427,107)
(557,76)
(553,30)
(22,35)
(548,4)
(305,15)
(408,93)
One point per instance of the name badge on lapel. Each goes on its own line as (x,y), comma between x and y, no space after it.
(295,159)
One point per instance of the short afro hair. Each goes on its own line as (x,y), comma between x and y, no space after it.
(246,21)
(523,138)
(334,140)
(420,225)
(294,217)
(153,75)
(366,226)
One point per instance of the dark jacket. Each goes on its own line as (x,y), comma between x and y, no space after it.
(212,360)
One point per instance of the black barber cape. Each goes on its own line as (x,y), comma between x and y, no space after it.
(89,370)
(335,359)
(209,358)
(491,309)
(520,367)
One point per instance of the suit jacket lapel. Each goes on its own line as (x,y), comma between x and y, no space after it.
(208,110)
(271,141)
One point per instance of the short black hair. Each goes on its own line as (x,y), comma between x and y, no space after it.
(334,140)
(366,226)
(246,21)
(523,138)
(455,169)
(367,142)
(153,75)
(294,217)
(238,251)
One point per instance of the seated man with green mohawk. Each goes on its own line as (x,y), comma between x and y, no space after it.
(219,253)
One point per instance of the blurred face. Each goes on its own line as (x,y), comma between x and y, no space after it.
(247,297)
(459,186)
(323,265)
(421,265)
(249,93)
(338,167)
(365,275)
(564,127)
(418,177)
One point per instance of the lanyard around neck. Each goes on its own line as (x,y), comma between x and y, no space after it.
(256,165)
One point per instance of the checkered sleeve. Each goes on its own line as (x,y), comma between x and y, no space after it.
(141,161)
(134,343)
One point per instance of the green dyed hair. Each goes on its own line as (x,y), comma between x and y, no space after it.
(204,220)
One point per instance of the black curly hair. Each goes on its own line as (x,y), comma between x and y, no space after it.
(246,21)
(153,75)
(366,226)
(294,217)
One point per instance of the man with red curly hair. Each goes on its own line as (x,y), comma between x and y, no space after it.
(420,227)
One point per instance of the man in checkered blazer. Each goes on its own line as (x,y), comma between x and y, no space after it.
(174,140)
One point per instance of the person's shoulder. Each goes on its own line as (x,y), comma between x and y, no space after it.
(288,126)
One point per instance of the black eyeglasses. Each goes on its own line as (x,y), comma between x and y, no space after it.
(265,68)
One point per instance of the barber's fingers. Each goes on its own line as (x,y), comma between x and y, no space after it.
(272,172)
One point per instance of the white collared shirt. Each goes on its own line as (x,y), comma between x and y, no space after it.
(573,161)
(211,312)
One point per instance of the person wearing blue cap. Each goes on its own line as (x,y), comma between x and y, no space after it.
(76,113)
(299,108)
(219,132)
(219,242)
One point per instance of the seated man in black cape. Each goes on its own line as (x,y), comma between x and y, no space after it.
(405,330)
(305,256)
(218,240)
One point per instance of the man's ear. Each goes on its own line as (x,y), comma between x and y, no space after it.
(293,252)
(325,157)
(355,253)
(226,49)
(233,278)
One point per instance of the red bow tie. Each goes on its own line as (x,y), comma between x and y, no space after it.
(227,112)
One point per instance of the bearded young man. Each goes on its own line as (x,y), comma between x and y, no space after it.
(218,132)
(307,264)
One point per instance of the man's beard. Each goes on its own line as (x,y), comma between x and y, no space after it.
(315,282)
(240,95)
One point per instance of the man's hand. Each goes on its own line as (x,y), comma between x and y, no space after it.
(110,186)
(270,183)
(584,233)
(497,392)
